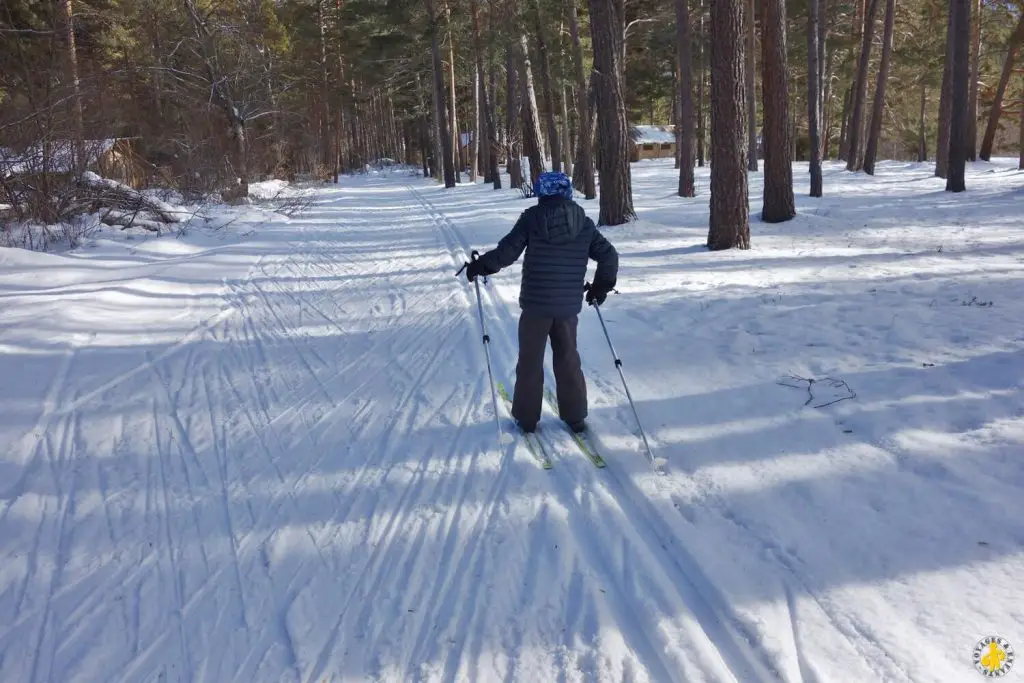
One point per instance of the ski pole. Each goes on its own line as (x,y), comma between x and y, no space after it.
(656,462)
(487,352)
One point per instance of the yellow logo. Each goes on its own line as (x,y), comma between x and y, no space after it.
(993,657)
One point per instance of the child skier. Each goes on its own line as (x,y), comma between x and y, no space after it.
(559,239)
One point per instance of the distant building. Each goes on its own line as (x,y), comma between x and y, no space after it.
(652,142)
(115,158)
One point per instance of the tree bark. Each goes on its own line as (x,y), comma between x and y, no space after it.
(858,32)
(606,26)
(565,137)
(533,139)
(824,75)
(1012,46)
(452,100)
(751,83)
(945,100)
(702,41)
(961,96)
(684,54)
(584,170)
(922,140)
(779,203)
(489,130)
(844,125)
(814,69)
(828,106)
(325,107)
(444,132)
(972,121)
(549,93)
(1020,163)
(474,150)
(853,161)
(878,108)
(79,161)
(513,127)
(729,222)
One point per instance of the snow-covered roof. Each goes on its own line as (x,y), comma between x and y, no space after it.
(645,135)
(31,160)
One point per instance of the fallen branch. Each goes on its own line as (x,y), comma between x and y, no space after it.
(836,385)
(128,220)
(117,196)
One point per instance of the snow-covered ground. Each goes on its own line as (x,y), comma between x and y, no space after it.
(268,453)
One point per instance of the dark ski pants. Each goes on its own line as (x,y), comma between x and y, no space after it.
(571,387)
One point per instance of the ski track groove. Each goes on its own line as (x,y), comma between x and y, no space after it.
(862,642)
(219,444)
(66,507)
(40,431)
(388,533)
(711,611)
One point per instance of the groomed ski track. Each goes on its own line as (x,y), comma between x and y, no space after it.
(308,487)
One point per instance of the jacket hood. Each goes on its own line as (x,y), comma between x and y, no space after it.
(559,220)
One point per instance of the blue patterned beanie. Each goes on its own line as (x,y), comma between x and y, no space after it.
(552,184)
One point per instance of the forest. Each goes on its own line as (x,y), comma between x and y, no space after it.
(206,96)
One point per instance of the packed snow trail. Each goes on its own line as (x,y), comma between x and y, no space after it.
(271,455)
(307,486)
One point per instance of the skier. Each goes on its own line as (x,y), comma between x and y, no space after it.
(559,239)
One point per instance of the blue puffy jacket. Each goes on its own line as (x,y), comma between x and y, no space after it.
(559,239)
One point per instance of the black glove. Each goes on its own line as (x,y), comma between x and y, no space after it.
(597,293)
(475,268)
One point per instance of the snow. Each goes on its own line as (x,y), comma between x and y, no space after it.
(267,452)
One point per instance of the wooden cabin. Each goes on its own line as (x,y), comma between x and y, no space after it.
(115,158)
(652,142)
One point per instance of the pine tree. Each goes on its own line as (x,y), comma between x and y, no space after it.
(779,203)
(729,223)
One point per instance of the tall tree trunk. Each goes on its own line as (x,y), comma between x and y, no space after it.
(853,162)
(844,125)
(513,127)
(972,121)
(824,74)
(1020,134)
(700,89)
(585,138)
(858,32)
(566,143)
(922,140)
(751,83)
(444,131)
(489,129)
(961,96)
(878,108)
(474,153)
(1012,46)
(549,93)
(729,222)
(814,68)
(80,162)
(325,107)
(779,203)
(222,97)
(684,54)
(826,85)
(533,139)
(452,100)
(945,99)
(607,27)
